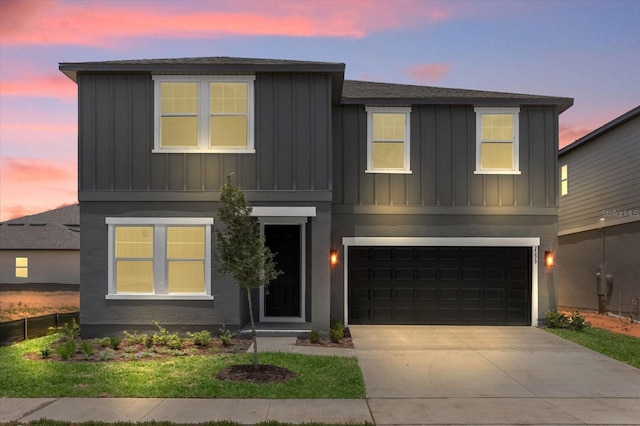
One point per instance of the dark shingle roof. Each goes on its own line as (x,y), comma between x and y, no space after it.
(359,92)
(344,91)
(201,65)
(57,229)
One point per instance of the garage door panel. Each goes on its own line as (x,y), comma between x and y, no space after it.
(448,274)
(428,274)
(439,285)
(382,314)
(472,294)
(469,274)
(381,294)
(381,274)
(382,254)
(405,294)
(427,294)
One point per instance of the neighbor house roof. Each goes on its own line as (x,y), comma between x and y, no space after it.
(358,92)
(616,122)
(57,229)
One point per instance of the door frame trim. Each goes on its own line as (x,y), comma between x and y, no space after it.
(533,242)
(302,224)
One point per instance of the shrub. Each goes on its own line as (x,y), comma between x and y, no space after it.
(114,342)
(45,352)
(163,337)
(577,321)
(200,338)
(68,330)
(557,319)
(336,334)
(66,349)
(226,335)
(135,338)
(105,342)
(87,348)
(314,336)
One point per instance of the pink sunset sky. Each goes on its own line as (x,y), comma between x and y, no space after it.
(586,50)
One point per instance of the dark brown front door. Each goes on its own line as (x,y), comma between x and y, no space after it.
(440,285)
(282,296)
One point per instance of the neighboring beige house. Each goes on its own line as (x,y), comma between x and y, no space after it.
(43,248)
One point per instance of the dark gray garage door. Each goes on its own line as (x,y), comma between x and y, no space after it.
(440,285)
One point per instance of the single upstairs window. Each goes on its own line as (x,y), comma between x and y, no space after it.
(388,142)
(497,141)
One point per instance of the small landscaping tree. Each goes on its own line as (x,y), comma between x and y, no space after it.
(242,252)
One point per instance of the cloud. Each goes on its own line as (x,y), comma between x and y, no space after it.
(55,86)
(106,24)
(32,185)
(428,73)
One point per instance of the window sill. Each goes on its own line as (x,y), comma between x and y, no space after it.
(158,297)
(204,151)
(392,172)
(497,172)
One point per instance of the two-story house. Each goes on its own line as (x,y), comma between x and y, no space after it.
(599,219)
(386,203)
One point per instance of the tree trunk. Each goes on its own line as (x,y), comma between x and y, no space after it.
(253,332)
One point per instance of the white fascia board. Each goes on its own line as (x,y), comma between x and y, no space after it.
(283,211)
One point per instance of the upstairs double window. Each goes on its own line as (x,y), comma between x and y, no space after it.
(497,140)
(204,114)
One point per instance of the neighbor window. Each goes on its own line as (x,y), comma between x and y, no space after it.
(497,140)
(22,267)
(204,114)
(388,140)
(564,180)
(159,257)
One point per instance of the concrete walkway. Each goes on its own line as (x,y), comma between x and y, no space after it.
(414,376)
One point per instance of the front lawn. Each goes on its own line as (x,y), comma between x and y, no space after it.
(617,346)
(191,376)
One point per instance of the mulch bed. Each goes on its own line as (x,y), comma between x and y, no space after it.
(265,373)
(327,343)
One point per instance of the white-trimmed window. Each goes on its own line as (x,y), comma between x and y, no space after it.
(161,258)
(204,114)
(22,267)
(564,179)
(388,144)
(497,140)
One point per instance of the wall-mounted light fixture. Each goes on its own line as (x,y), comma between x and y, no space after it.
(333,257)
(548,259)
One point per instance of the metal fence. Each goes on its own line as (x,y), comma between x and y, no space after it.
(28,328)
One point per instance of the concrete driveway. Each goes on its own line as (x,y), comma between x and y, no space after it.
(476,375)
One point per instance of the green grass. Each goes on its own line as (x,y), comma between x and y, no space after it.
(177,377)
(617,346)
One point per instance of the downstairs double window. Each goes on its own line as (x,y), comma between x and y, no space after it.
(161,258)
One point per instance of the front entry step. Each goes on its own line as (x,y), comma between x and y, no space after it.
(277,329)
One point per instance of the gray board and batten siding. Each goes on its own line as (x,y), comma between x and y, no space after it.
(292,159)
(443,161)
